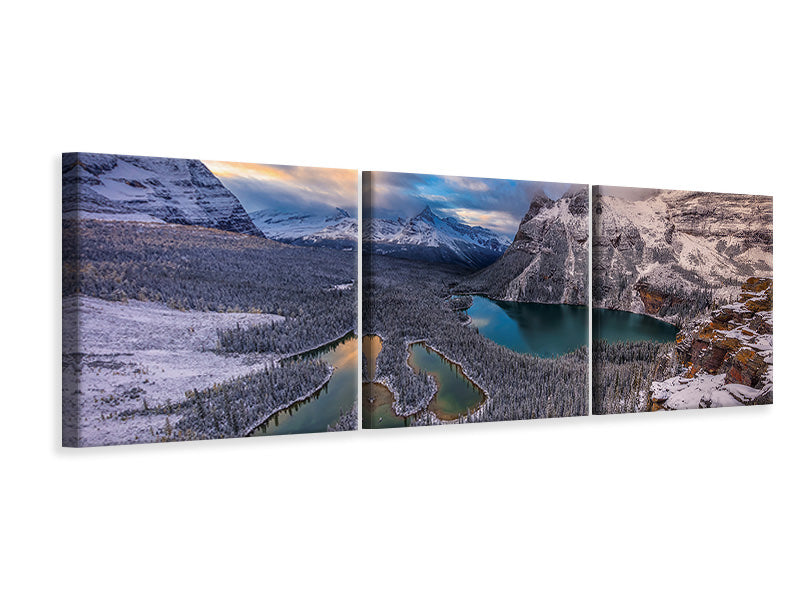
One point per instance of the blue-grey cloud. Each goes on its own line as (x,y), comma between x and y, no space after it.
(497,204)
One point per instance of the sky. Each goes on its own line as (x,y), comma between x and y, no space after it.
(289,189)
(497,204)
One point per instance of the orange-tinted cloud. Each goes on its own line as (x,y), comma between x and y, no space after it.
(264,186)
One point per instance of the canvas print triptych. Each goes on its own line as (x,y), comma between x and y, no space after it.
(206,299)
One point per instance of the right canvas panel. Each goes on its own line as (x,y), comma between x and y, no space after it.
(681,300)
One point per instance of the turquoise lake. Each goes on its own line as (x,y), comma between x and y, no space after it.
(620,326)
(531,328)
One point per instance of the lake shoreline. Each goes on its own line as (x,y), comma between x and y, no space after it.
(543,330)
(490,297)
(607,324)
(287,405)
(459,369)
(310,394)
(279,358)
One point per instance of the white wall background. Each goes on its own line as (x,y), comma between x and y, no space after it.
(685,95)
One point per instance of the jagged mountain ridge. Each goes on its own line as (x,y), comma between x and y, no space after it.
(337,230)
(548,260)
(672,254)
(142,188)
(430,237)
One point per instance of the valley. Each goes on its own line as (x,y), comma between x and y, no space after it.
(191,333)
(448,341)
(183,321)
(409,301)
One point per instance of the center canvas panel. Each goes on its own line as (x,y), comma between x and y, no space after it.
(475,300)
(206,299)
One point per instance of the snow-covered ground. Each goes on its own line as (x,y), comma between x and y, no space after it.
(702,391)
(124,356)
(101,216)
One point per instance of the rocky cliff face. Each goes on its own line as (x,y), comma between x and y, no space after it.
(547,261)
(726,358)
(141,188)
(676,254)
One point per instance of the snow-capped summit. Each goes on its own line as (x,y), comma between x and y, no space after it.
(333,230)
(547,261)
(427,215)
(433,238)
(143,188)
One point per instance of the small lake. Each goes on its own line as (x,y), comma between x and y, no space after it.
(376,398)
(377,411)
(545,330)
(620,326)
(325,407)
(456,396)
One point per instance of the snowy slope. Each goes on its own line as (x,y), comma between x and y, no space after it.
(430,237)
(658,253)
(336,230)
(136,354)
(548,259)
(139,188)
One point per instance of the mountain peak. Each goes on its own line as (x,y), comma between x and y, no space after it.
(575,189)
(433,238)
(342,213)
(538,202)
(427,214)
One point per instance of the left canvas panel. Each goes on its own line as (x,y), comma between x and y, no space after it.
(206,299)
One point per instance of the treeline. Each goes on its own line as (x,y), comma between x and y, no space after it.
(687,295)
(347,421)
(290,336)
(192,268)
(459,302)
(407,301)
(235,407)
(623,371)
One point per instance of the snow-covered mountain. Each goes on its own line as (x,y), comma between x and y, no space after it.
(547,261)
(674,254)
(336,230)
(432,238)
(142,188)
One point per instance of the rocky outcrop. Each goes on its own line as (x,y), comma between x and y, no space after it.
(676,255)
(143,188)
(547,261)
(726,359)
